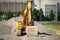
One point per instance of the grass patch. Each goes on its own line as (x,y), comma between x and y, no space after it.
(55,26)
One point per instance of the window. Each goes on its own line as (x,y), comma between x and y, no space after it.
(48,8)
(58,7)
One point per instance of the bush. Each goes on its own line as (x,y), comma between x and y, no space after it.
(46,18)
(16,14)
(7,15)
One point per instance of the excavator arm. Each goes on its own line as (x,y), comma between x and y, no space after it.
(27,15)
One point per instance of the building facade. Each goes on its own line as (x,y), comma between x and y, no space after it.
(13,5)
(48,5)
(4,6)
(20,5)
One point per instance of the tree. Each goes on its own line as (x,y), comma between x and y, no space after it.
(58,16)
(35,15)
(41,15)
(51,15)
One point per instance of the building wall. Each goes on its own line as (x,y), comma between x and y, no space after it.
(42,3)
(51,1)
(13,5)
(42,6)
(48,9)
(36,4)
(58,7)
(19,5)
(51,5)
(14,1)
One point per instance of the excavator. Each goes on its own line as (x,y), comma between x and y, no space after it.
(27,20)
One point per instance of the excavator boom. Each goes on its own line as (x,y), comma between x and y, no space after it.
(27,19)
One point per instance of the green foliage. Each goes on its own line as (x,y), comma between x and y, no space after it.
(51,15)
(58,16)
(7,15)
(38,15)
(41,15)
(52,25)
(1,13)
(16,14)
(35,15)
(46,18)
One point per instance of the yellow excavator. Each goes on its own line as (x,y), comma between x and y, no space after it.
(27,19)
